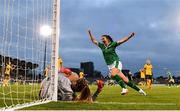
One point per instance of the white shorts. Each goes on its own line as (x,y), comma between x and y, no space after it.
(116,64)
(172,80)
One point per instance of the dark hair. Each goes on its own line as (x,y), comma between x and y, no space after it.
(83,88)
(81,83)
(85,93)
(108,37)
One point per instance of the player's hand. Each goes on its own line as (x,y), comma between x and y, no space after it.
(89,32)
(132,34)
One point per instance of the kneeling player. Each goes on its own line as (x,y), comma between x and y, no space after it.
(68,84)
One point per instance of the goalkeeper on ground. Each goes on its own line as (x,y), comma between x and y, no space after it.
(68,84)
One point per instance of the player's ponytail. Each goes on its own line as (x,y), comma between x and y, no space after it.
(85,94)
(83,88)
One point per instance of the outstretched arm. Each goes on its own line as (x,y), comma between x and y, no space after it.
(125,39)
(92,38)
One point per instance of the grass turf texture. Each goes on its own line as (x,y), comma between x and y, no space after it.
(26,93)
(159,98)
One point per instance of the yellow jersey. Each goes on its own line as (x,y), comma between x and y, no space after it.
(81,75)
(59,63)
(46,72)
(142,74)
(8,69)
(148,69)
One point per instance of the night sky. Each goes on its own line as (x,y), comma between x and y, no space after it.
(155,22)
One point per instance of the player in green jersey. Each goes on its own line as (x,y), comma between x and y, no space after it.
(171,81)
(112,60)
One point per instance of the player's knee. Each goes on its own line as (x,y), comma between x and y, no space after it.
(112,75)
(114,71)
(125,79)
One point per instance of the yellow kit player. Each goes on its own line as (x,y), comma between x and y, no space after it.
(142,76)
(149,74)
(81,75)
(46,71)
(60,62)
(7,73)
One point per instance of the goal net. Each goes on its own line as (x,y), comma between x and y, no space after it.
(28,50)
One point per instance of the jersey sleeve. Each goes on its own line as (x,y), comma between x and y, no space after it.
(100,45)
(115,44)
(151,67)
(145,66)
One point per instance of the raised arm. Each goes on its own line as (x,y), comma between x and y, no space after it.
(125,38)
(92,38)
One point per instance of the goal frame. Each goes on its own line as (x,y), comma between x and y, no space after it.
(54,62)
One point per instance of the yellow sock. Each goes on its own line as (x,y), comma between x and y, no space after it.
(5,82)
(148,84)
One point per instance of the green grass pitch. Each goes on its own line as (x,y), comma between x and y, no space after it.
(158,98)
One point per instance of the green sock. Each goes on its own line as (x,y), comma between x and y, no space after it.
(132,85)
(95,95)
(119,81)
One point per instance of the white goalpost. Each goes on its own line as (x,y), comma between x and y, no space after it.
(55,42)
(26,56)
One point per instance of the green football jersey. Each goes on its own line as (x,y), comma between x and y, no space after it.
(169,75)
(109,52)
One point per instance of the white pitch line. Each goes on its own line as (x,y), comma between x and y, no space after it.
(108,103)
(136,103)
(129,103)
(15,99)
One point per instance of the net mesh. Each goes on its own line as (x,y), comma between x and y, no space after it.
(24,53)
